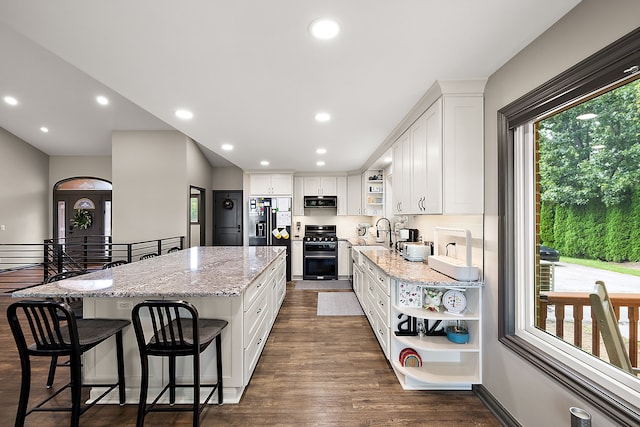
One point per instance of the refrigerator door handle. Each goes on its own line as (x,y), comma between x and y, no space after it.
(269,224)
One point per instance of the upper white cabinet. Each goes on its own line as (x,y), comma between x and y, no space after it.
(463,154)
(298,196)
(354,195)
(342,192)
(265,184)
(320,186)
(401,196)
(438,161)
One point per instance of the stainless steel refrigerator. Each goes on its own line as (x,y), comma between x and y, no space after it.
(270,224)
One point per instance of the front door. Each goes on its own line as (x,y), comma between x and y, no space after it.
(227,218)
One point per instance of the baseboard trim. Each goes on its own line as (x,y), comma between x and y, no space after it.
(494,406)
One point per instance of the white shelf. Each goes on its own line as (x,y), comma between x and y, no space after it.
(437,343)
(421,313)
(437,375)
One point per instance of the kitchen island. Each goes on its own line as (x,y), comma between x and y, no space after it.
(242,285)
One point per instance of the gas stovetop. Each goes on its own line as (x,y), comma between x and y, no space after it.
(319,238)
(320,233)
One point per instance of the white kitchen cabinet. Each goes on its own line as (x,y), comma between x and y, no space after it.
(463,155)
(426,162)
(401,152)
(446,365)
(296,259)
(354,195)
(373,192)
(342,193)
(320,186)
(374,298)
(344,259)
(298,196)
(438,161)
(265,184)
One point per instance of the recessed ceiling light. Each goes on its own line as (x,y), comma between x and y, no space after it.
(324,29)
(321,151)
(264,163)
(322,117)
(10,100)
(102,100)
(44,129)
(320,163)
(587,116)
(184,114)
(227,147)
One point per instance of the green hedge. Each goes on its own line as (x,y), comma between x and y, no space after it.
(593,231)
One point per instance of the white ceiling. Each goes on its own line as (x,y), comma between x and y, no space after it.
(249,70)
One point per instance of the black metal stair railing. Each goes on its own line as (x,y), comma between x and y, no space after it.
(23,265)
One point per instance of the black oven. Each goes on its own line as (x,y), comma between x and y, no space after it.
(320,253)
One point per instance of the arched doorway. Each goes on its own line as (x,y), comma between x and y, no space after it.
(81,207)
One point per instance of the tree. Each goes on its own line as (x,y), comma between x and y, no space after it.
(595,159)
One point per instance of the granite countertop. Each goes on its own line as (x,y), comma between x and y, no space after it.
(196,272)
(392,264)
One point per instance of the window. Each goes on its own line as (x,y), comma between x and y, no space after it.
(525,129)
(195,208)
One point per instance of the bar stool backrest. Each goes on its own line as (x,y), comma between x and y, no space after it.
(43,328)
(174,327)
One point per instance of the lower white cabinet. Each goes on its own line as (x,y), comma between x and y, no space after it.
(371,287)
(296,260)
(344,259)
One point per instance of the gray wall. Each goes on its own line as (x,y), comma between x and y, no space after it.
(228,178)
(150,189)
(24,201)
(531,397)
(199,174)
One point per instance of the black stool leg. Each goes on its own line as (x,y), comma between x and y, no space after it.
(172,380)
(76,390)
(196,389)
(219,366)
(52,371)
(25,388)
(121,381)
(144,386)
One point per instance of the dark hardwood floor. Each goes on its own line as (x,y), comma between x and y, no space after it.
(314,371)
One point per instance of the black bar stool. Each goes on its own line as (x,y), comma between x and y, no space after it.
(76,305)
(177,331)
(49,328)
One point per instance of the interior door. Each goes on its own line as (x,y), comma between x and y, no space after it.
(227,218)
(81,219)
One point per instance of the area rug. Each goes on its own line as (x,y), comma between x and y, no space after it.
(338,304)
(323,285)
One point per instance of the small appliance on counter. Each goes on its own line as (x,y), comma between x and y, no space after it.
(415,251)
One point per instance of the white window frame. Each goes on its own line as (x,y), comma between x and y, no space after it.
(613,379)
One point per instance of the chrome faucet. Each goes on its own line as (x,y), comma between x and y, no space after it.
(378,230)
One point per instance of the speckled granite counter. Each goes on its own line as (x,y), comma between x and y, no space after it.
(196,272)
(400,269)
